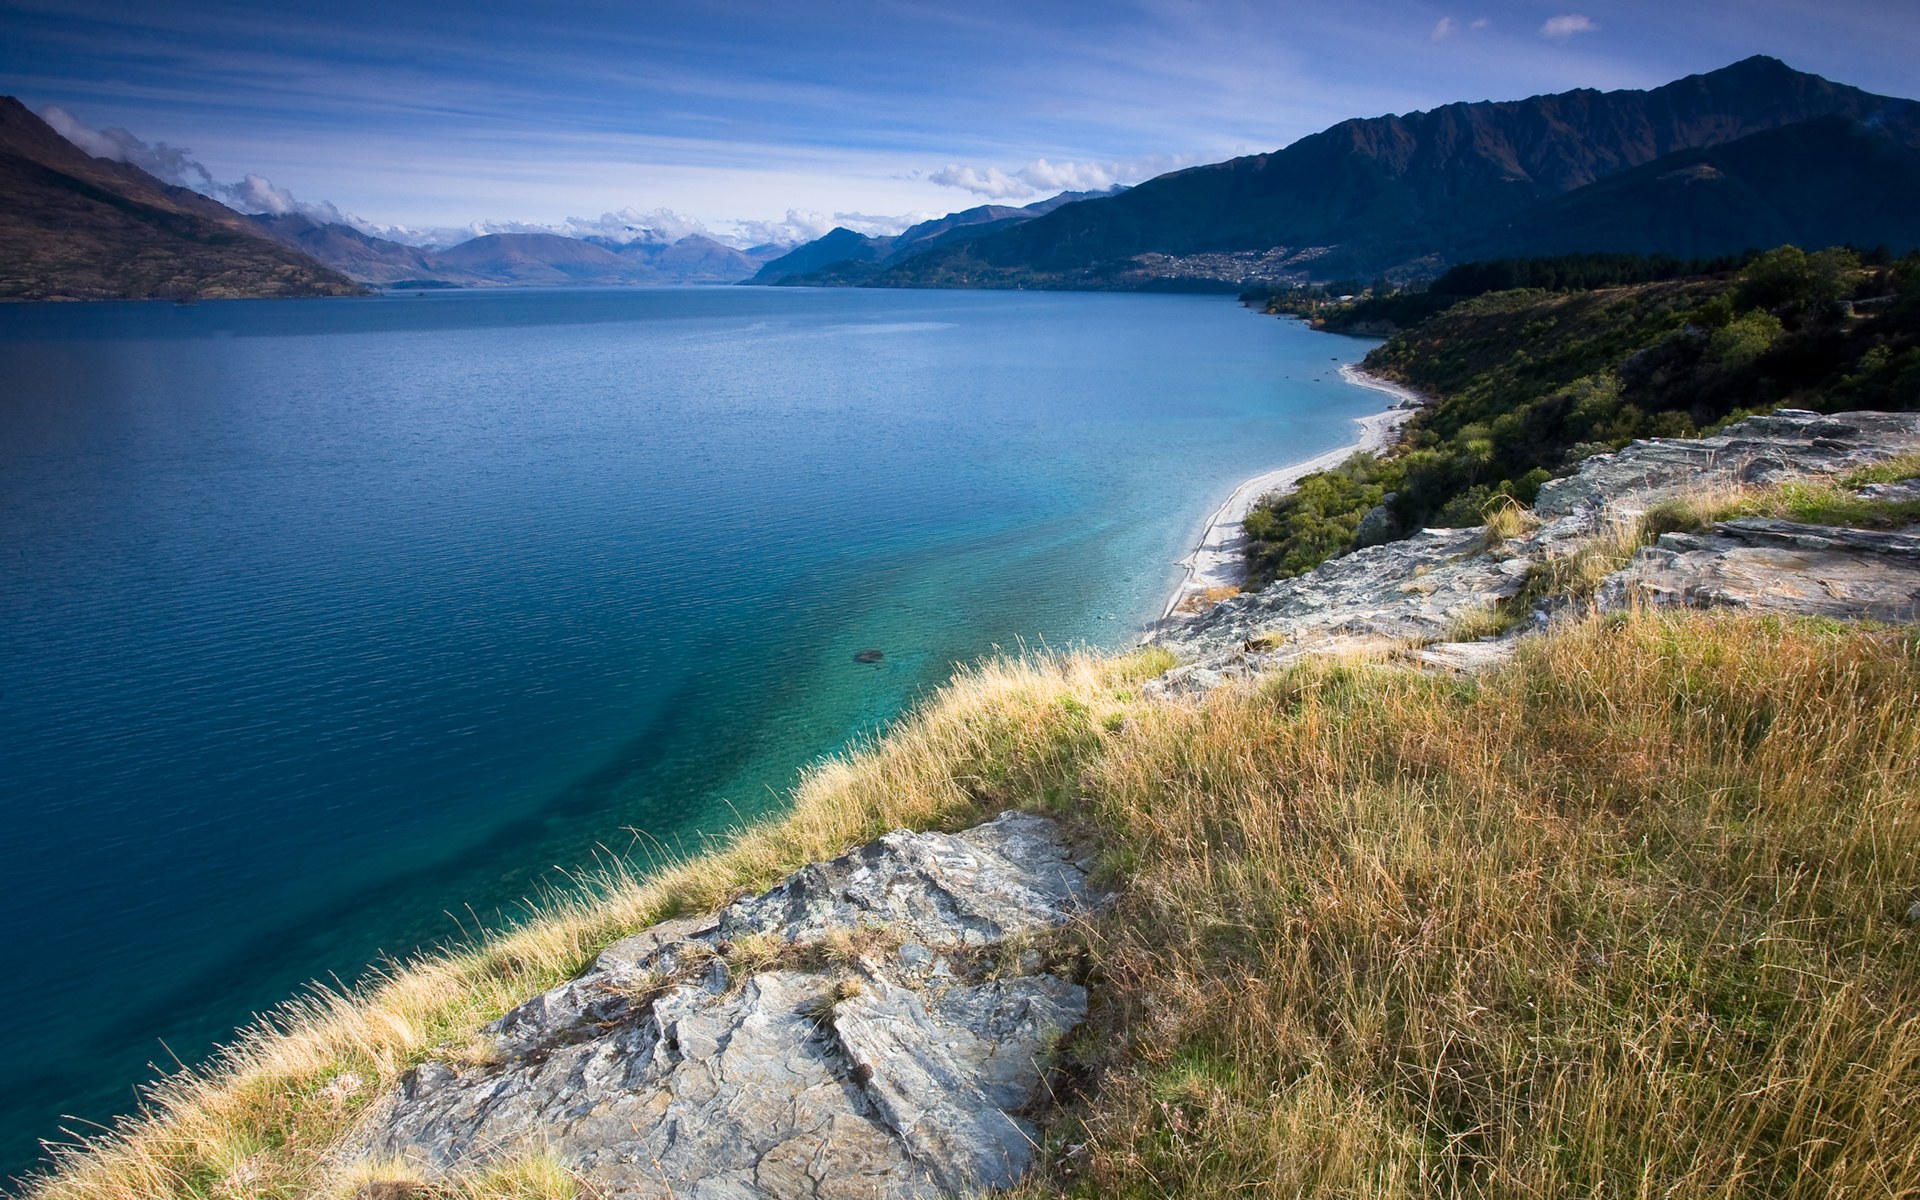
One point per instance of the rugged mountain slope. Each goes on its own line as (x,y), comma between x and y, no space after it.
(1395,191)
(1826,182)
(550,258)
(77,227)
(358,255)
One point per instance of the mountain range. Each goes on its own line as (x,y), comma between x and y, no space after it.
(1747,156)
(78,227)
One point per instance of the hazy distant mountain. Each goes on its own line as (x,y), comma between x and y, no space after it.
(359,255)
(552,258)
(1395,192)
(693,259)
(1825,182)
(74,226)
(843,256)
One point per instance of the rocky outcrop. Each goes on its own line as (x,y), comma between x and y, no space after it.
(1785,445)
(875,1026)
(1414,597)
(1402,593)
(1778,567)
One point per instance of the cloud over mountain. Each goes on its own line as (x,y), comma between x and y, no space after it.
(1563,27)
(176,165)
(1041,177)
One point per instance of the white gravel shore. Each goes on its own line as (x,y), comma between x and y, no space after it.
(1218,560)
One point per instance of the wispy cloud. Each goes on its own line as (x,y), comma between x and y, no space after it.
(176,165)
(990,182)
(1443,29)
(804,225)
(1565,26)
(1041,177)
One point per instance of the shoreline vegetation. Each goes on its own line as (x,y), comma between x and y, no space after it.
(1589,354)
(1216,566)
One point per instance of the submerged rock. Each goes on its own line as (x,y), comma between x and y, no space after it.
(677,1067)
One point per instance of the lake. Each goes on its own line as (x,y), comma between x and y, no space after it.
(331,628)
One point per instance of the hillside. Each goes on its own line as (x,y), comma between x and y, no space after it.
(1400,193)
(1831,181)
(1567,852)
(77,227)
(1528,383)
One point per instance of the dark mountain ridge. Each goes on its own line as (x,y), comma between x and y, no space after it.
(78,227)
(1826,182)
(1401,192)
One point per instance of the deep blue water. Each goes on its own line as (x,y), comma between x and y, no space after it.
(322,620)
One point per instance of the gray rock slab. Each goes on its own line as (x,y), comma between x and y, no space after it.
(1778,567)
(1403,598)
(660,1072)
(1783,445)
(1011,875)
(948,1068)
(1373,601)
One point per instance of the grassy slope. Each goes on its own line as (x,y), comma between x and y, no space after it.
(1626,916)
(1530,382)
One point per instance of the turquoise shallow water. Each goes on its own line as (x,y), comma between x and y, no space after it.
(320,621)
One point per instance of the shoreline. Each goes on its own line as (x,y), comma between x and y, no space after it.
(1218,559)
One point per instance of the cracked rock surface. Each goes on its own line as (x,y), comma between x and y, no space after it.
(1778,567)
(902,1073)
(1405,597)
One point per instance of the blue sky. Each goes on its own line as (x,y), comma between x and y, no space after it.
(752,116)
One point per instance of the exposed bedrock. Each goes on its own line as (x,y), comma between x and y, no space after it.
(862,1030)
(1409,597)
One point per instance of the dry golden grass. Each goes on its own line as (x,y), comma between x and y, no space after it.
(260,1120)
(536,1175)
(1474,623)
(1624,917)
(1206,598)
(1508,519)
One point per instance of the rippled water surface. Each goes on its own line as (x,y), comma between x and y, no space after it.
(321,621)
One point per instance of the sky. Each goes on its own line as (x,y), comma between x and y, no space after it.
(764,121)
